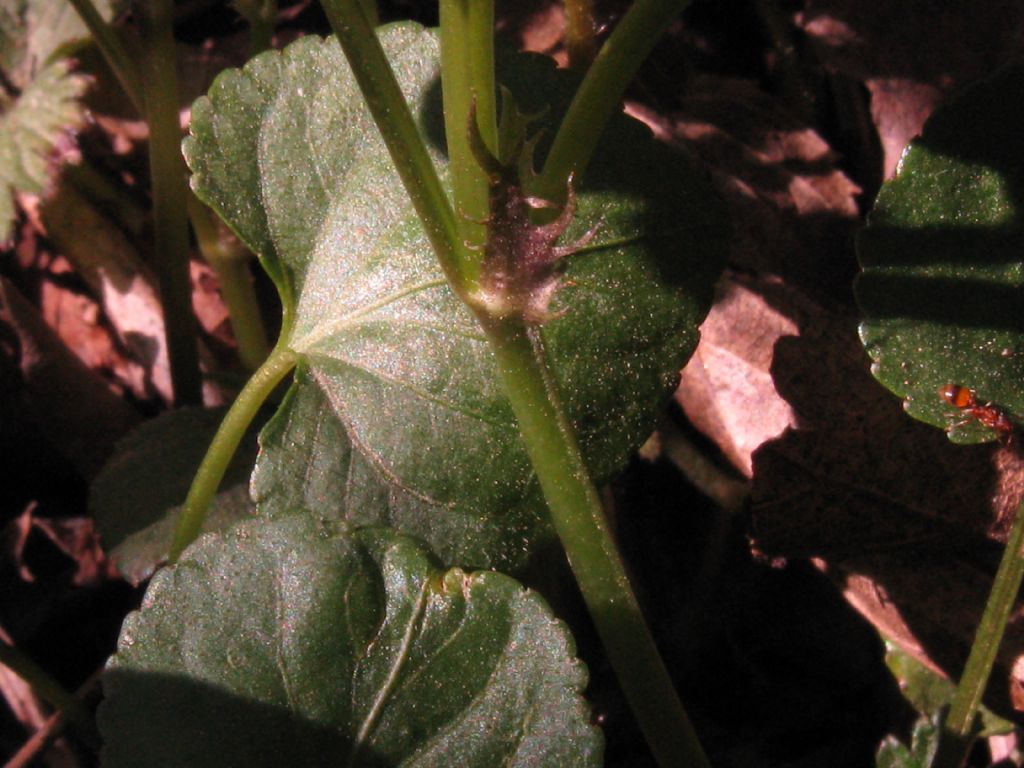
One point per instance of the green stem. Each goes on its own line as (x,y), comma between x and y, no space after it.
(550,442)
(467,79)
(237,420)
(405,145)
(959,723)
(170,217)
(230,260)
(50,691)
(236,287)
(371,12)
(599,95)
(114,51)
(579,519)
(580,33)
(261,15)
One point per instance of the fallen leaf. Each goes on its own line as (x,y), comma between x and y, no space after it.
(726,390)
(793,210)
(912,55)
(908,522)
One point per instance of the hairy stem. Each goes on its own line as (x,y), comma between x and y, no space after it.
(230,433)
(958,728)
(579,519)
(600,93)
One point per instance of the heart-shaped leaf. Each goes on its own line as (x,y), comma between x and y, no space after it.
(287,153)
(289,643)
(942,288)
(307,462)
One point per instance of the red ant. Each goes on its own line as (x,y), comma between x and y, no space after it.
(967,401)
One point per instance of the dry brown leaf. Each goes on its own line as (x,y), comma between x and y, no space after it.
(71,405)
(793,211)
(912,55)
(726,389)
(108,262)
(535,25)
(907,521)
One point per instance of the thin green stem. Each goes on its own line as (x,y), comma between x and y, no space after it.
(170,217)
(231,263)
(237,420)
(467,79)
(261,15)
(964,707)
(236,287)
(579,519)
(114,51)
(580,33)
(401,136)
(600,93)
(52,692)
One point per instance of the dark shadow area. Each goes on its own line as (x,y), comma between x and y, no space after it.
(150,719)
(774,667)
(959,303)
(903,518)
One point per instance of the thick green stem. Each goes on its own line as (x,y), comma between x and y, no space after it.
(964,708)
(579,519)
(50,691)
(600,93)
(580,33)
(170,217)
(237,420)
(401,136)
(467,79)
(231,263)
(549,439)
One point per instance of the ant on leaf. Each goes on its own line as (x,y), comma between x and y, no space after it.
(987,415)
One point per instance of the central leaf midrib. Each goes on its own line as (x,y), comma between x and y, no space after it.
(377,708)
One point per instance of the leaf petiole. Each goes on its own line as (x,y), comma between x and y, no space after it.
(959,724)
(600,93)
(278,364)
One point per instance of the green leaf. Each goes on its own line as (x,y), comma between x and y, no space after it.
(35,33)
(929,692)
(136,498)
(40,102)
(289,643)
(307,462)
(942,287)
(286,152)
(30,127)
(920,754)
